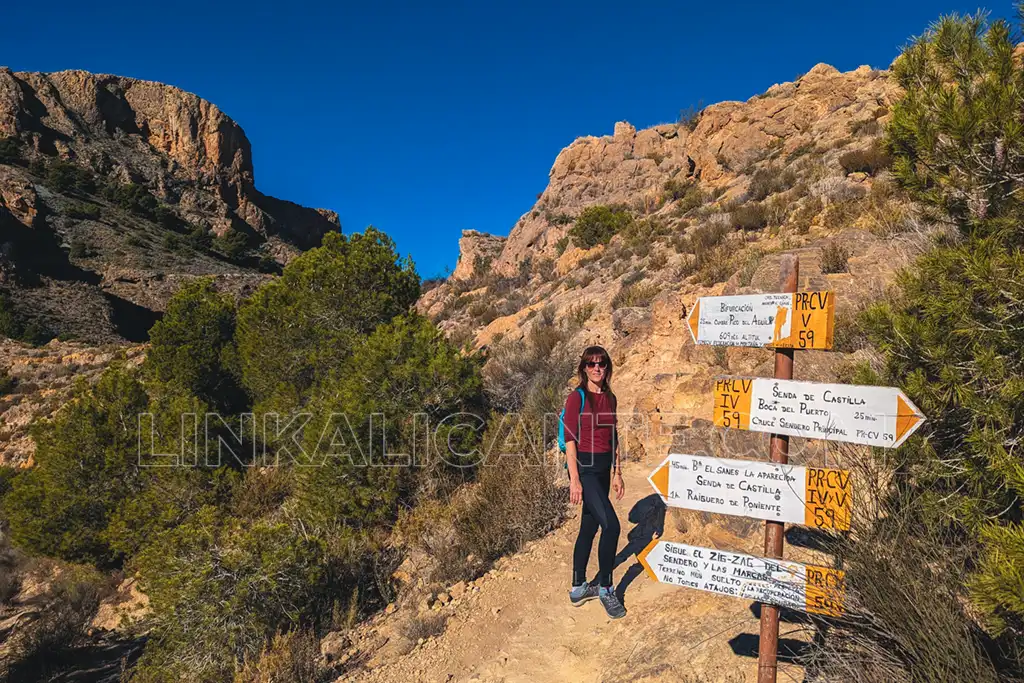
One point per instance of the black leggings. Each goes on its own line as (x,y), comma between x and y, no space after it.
(595,476)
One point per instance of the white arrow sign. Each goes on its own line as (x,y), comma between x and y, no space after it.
(802,320)
(873,416)
(776,582)
(812,496)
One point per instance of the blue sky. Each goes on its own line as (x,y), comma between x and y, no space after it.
(427,118)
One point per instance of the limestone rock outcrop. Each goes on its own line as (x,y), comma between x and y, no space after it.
(476,249)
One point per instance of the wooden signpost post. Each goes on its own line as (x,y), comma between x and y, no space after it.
(787,584)
(813,496)
(774,491)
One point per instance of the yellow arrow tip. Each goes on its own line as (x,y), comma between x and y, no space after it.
(906,418)
(642,558)
(659,478)
(693,320)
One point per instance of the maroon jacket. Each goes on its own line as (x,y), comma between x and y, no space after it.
(595,430)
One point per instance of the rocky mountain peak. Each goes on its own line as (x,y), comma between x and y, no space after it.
(181,147)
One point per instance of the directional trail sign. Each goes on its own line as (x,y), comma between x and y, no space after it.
(776,582)
(873,416)
(812,496)
(800,320)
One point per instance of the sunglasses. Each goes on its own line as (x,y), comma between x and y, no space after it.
(597,364)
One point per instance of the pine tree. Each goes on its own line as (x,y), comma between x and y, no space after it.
(953,337)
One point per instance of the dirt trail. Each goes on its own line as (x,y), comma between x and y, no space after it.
(516,623)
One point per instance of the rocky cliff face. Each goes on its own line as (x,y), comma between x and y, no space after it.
(180,146)
(115,190)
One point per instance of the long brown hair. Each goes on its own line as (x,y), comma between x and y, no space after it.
(594,353)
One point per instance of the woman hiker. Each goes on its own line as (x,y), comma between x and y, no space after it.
(592,458)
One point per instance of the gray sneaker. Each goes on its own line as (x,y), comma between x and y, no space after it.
(611,603)
(580,594)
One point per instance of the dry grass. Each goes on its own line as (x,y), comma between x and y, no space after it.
(288,658)
(637,294)
(422,626)
(905,617)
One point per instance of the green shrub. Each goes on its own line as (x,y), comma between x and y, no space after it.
(297,328)
(82,210)
(10,150)
(561,245)
(220,589)
(63,176)
(560,218)
(598,224)
(199,238)
(133,198)
(79,249)
(174,242)
(14,325)
(952,337)
(232,244)
(404,367)
(87,466)
(192,347)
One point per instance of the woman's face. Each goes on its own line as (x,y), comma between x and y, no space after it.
(597,369)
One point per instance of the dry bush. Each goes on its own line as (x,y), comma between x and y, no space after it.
(288,658)
(905,617)
(516,499)
(637,294)
(870,160)
(11,569)
(521,373)
(801,219)
(422,626)
(835,257)
(770,180)
(578,314)
(848,334)
(658,261)
(42,648)
(750,216)
(840,215)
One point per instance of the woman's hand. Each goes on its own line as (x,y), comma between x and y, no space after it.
(575,491)
(618,486)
